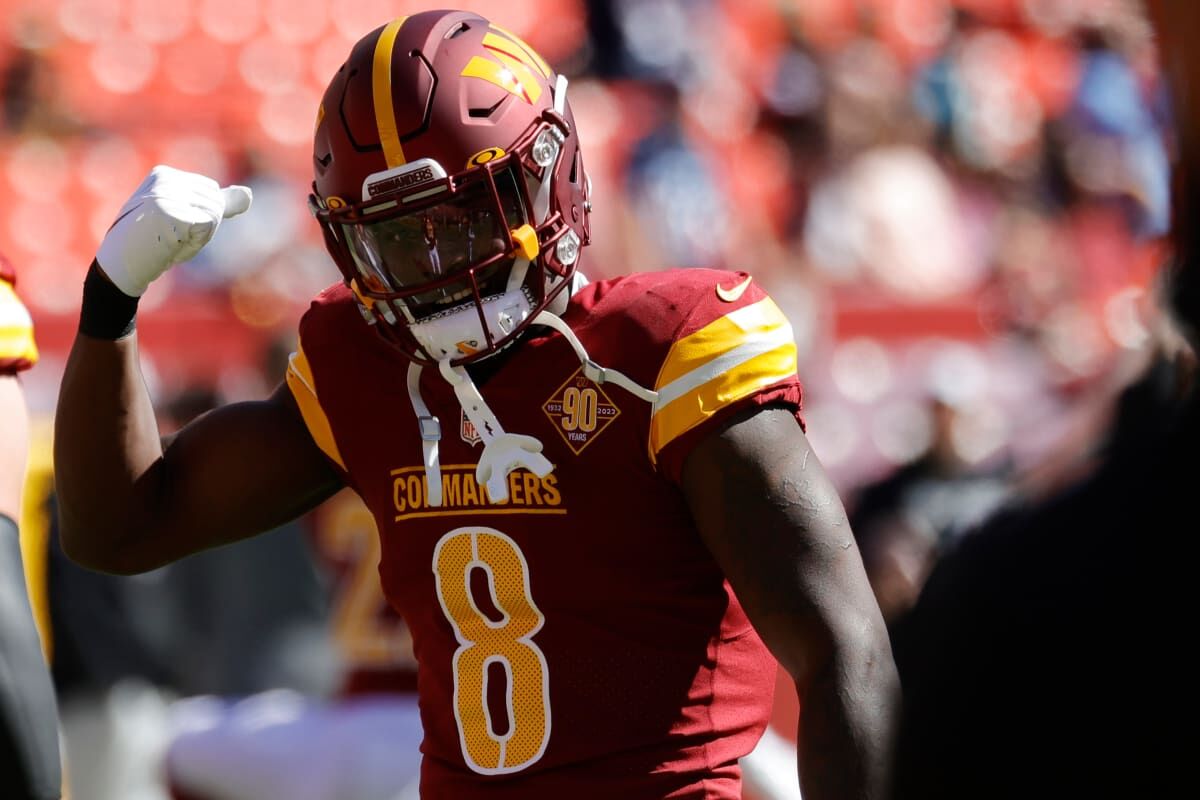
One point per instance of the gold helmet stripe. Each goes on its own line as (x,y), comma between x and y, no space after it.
(381,84)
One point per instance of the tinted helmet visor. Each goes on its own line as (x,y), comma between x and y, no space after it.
(433,258)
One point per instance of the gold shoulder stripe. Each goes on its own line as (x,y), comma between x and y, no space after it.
(381,85)
(720,335)
(16,327)
(726,361)
(303,388)
(17,343)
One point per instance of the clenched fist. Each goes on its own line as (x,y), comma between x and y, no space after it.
(167,220)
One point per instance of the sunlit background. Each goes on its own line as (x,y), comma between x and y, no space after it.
(958,204)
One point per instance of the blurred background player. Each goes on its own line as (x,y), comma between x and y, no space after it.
(228,622)
(221,651)
(29,758)
(360,744)
(364,742)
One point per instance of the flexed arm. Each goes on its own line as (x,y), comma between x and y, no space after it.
(126,504)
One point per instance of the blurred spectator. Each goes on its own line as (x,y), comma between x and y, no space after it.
(1119,150)
(906,519)
(248,617)
(1048,638)
(666,171)
(1042,658)
(360,742)
(29,97)
(892,218)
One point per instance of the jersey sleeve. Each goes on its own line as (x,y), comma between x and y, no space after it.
(17,348)
(303,386)
(728,356)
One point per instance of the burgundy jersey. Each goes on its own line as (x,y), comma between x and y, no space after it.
(373,643)
(578,639)
(17,349)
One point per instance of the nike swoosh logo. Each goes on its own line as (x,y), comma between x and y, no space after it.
(732,295)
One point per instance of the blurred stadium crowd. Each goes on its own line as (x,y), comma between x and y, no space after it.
(959,204)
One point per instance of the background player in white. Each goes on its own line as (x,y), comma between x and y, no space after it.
(361,744)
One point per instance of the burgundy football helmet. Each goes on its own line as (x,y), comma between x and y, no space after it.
(449,184)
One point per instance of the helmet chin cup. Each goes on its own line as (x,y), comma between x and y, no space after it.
(525,241)
(459,333)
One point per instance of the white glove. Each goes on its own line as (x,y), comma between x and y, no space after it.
(168,219)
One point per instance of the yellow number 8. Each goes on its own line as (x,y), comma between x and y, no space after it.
(483,641)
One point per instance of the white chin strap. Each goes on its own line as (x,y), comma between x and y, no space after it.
(591,370)
(502,452)
(431,434)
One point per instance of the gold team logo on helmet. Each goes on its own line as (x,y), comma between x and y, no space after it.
(514,66)
(580,411)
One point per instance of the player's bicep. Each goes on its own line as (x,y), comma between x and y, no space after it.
(234,472)
(774,522)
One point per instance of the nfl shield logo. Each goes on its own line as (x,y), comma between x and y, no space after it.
(466,430)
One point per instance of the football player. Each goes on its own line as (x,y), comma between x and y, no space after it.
(29,757)
(364,743)
(598,510)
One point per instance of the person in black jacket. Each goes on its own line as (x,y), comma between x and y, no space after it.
(1045,656)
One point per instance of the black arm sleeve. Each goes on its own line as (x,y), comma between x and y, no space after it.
(29,758)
